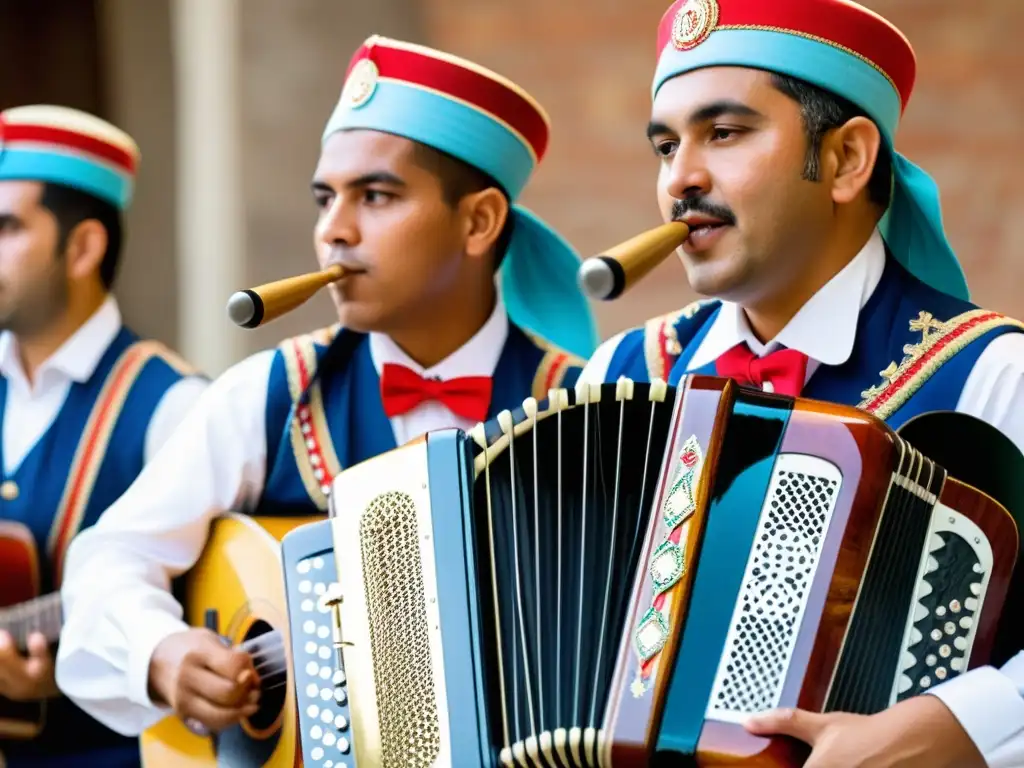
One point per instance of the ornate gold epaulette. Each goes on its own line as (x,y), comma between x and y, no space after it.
(661,342)
(553,366)
(315,456)
(940,342)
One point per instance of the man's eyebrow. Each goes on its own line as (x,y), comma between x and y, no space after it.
(374,177)
(707,112)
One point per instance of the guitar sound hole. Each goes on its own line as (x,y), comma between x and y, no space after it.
(268,657)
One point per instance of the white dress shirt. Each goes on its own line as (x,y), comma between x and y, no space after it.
(989,703)
(117,573)
(31,407)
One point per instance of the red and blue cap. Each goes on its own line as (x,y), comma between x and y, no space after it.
(66,146)
(490,123)
(846,49)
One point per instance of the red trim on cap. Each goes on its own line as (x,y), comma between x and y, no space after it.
(39,134)
(839,22)
(461,83)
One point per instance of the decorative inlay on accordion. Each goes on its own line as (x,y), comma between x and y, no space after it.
(629,572)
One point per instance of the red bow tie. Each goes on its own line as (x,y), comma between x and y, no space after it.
(403,389)
(785,369)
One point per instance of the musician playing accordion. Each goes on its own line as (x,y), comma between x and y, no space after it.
(458,304)
(824,251)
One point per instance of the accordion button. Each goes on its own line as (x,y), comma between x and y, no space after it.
(339,695)
(339,677)
(340,723)
(343,745)
(317,753)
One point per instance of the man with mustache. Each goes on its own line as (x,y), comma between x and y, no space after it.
(85,402)
(824,251)
(420,165)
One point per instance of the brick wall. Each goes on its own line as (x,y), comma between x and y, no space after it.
(590,62)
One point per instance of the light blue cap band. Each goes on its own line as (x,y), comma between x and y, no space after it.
(912,226)
(103,181)
(537,277)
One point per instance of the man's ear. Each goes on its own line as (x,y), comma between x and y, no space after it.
(85,249)
(485,214)
(853,150)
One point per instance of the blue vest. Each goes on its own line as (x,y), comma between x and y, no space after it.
(324,408)
(87,458)
(914,349)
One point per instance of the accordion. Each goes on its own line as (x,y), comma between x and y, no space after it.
(622,574)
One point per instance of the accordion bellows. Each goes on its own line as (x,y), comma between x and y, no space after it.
(621,575)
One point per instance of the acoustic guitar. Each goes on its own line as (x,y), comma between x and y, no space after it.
(23,612)
(236,589)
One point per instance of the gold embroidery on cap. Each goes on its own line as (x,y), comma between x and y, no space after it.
(360,84)
(695,20)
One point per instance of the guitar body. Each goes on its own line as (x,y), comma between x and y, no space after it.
(19,583)
(238,576)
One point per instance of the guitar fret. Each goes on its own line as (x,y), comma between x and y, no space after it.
(42,614)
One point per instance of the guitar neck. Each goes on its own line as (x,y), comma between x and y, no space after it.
(43,614)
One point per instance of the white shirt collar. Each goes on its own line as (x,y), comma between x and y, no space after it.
(825,327)
(477,357)
(76,359)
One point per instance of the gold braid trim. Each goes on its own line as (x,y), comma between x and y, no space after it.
(312,446)
(95,440)
(661,342)
(552,367)
(940,342)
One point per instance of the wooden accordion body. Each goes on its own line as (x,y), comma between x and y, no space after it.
(621,578)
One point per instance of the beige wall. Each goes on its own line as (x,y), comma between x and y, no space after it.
(140,92)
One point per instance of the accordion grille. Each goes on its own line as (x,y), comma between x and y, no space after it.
(776,586)
(410,728)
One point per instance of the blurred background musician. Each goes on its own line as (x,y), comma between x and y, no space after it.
(85,402)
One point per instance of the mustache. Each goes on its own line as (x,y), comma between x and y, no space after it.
(703,206)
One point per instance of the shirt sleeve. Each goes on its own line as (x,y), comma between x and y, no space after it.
(989,702)
(994,390)
(170,411)
(596,369)
(117,574)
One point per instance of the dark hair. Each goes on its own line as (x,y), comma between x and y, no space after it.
(71,207)
(458,179)
(822,111)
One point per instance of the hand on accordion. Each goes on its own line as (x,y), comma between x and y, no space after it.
(920,731)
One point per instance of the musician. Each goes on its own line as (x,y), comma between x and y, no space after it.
(822,253)
(85,402)
(458,304)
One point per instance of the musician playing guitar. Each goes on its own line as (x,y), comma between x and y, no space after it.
(84,403)
(420,164)
(774,125)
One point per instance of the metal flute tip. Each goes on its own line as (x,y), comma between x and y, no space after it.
(596,278)
(242,308)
